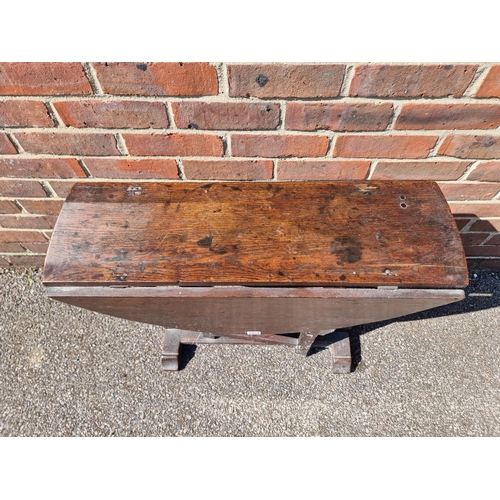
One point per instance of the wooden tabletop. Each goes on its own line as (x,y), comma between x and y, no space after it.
(257,234)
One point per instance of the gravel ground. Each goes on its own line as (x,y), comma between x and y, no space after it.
(66,371)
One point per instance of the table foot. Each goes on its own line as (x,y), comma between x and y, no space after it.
(341,353)
(170,350)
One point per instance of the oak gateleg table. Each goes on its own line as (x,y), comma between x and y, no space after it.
(288,263)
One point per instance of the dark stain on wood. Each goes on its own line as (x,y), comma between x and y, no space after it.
(218,249)
(205,242)
(347,249)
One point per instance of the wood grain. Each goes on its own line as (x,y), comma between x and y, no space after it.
(326,234)
(237,310)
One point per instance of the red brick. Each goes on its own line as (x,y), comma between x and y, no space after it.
(11,247)
(461,223)
(42,207)
(478,209)
(288,80)
(51,219)
(6,147)
(415,80)
(15,113)
(62,189)
(485,226)
(483,251)
(469,239)
(25,222)
(491,84)
(327,170)
(486,264)
(488,171)
(7,207)
(226,115)
(419,170)
(21,188)
(113,114)
(27,260)
(276,146)
(469,192)
(21,237)
(495,240)
(471,146)
(342,116)
(128,168)
(66,143)
(46,167)
(172,79)
(415,116)
(240,170)
(384,146)
(174,144)
(37,247)
(43,78)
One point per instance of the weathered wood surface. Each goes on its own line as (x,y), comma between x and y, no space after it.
(238,310)
(257,234)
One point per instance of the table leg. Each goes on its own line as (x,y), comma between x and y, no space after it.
(304,342)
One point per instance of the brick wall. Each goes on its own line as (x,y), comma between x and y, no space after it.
(61,122)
